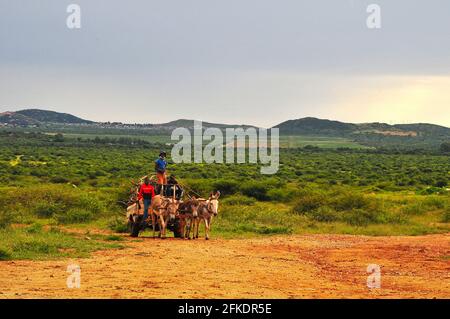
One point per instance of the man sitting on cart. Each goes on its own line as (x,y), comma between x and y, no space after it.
(173,186)
(146,193)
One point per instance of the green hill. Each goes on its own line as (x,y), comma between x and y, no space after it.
(52,117)
(320,127)
(12,118)
(315,126)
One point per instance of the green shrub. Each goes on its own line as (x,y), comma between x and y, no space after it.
(33,245)
(46,209)
(74,216)
(420,207)
(309,203)
(59,180)
(263,229)
(282,194)
(226,187)
(416,208)
(6,219)
(434,202)
(446,215)
(34,228)
(256,190)
(324,214)
(350,201)
(360,217)
(241,200)
(266,230)
(430,191)
(118,225)
(113,238)
(90,203)
(201,187)
(5,253)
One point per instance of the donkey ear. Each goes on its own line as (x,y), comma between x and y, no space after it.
(217,194)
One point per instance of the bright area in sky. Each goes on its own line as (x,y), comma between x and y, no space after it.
(256,61)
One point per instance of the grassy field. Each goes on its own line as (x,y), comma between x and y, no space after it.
(55,193)
(287,141)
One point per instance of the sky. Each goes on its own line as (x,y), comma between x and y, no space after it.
(257,62)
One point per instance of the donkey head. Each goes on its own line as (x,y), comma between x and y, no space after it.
(213,203)
(172,209)
(193,207)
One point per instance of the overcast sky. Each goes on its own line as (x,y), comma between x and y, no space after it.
(236,61)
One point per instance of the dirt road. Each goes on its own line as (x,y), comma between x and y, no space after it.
(309,266)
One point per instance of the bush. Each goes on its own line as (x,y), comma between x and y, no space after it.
(200,187)
(441,183)
(241,200)
(5,254)
(113,238)
(35,246)
(34,229)
(59,180)
(430,191)
(226,187)
(6,219)
(434,202)
(283,194)
(74,216)
(360,217)
(422,206)
(324,214)
(46,209)
(350,201)
(416,208)
(446,216)
(256,190)
(266,230)
(263,229)
(309,203)
(90,203)
(118,225)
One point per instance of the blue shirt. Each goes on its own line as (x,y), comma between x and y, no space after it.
(161,165)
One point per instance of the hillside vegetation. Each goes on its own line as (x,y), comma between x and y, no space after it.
(419,136)
(52,183)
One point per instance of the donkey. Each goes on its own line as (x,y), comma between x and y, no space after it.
(162,210)
(188,212)
(206,211)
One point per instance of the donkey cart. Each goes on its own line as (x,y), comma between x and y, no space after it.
(170,194)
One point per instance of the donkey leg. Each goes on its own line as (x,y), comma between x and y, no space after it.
(153,224)
(198,227)
(207,224)
(163,227)
(195,230)
(187,229)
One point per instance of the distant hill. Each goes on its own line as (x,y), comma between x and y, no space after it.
(44,116)
(12,118)
(190,124)
(315,126)
(379,135)
(373,134)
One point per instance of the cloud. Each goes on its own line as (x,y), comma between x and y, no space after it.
(256,61)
